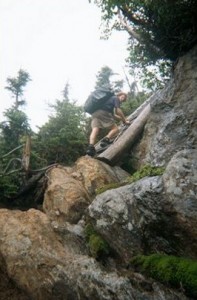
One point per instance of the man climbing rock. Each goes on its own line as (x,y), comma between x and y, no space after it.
(105,118)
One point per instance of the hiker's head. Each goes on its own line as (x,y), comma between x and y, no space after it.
(122,96)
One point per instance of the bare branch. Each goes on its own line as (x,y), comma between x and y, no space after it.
(44,168)
(11,172)
(8,165)
(12,150)
(127,80)
(135,35)
(129,29)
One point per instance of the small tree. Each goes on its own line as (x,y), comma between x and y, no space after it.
(16,124)
(105,78)
(13,132)
(62,139)
(16,86)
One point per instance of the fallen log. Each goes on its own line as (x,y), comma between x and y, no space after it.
(113,153)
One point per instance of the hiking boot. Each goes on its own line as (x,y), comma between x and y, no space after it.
(91,150)
(105,142)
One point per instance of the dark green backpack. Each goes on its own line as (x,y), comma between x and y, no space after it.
(97,98)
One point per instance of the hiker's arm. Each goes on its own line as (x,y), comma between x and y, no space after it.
(118,114)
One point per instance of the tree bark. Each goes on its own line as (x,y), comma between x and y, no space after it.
(26,155)
(137,36)
(112,154)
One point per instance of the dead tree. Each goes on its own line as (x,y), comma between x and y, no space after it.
(113,153)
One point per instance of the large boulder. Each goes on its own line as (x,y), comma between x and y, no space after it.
(154,214)
(71,190)
(65,197)
(31,252)
(36,261)
(180,188)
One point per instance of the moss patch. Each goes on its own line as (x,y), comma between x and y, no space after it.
(98,247)
(109,186)
(146,170)
(174,271)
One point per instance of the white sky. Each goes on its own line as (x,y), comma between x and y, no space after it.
(55,41)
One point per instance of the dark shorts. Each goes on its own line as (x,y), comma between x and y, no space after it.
(102,119)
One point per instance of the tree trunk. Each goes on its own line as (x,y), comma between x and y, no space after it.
(112,154)
(26,155)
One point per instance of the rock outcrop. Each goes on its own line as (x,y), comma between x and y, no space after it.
(70,190)
(154,214)
(45,254)
(45,267)
(172,125)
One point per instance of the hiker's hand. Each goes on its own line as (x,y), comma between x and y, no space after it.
(127,122)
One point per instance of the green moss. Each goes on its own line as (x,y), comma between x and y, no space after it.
(172,270)
(98,247)
(110,186)
(89,230)
(146,170)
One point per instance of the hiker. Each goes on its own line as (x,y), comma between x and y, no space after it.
(105,118)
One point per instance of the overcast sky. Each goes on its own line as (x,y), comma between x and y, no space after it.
(55,41)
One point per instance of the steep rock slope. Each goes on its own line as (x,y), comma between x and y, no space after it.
(45,254)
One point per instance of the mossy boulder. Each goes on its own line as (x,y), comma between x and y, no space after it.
(98,247)
(174,271)
(144,171)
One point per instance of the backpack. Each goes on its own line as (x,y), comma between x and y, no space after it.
(97,98)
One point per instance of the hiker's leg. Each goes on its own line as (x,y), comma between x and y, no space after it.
(113,132)
(91,149)
(93,135)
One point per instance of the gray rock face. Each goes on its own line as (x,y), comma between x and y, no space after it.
(180,182)
(180,187)
(44,267)
(154,214)
(123,215)
(172,125)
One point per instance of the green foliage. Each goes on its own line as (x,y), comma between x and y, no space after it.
(98,247)
(12,135)
(166,28)
(62,139)
(171,270)
(14,128)
(16,124)
(12,176)
(109,186)
(161,30)
(105,78)
(16,86)
(146,170)
(151,75)
(133,102)
(8,186)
